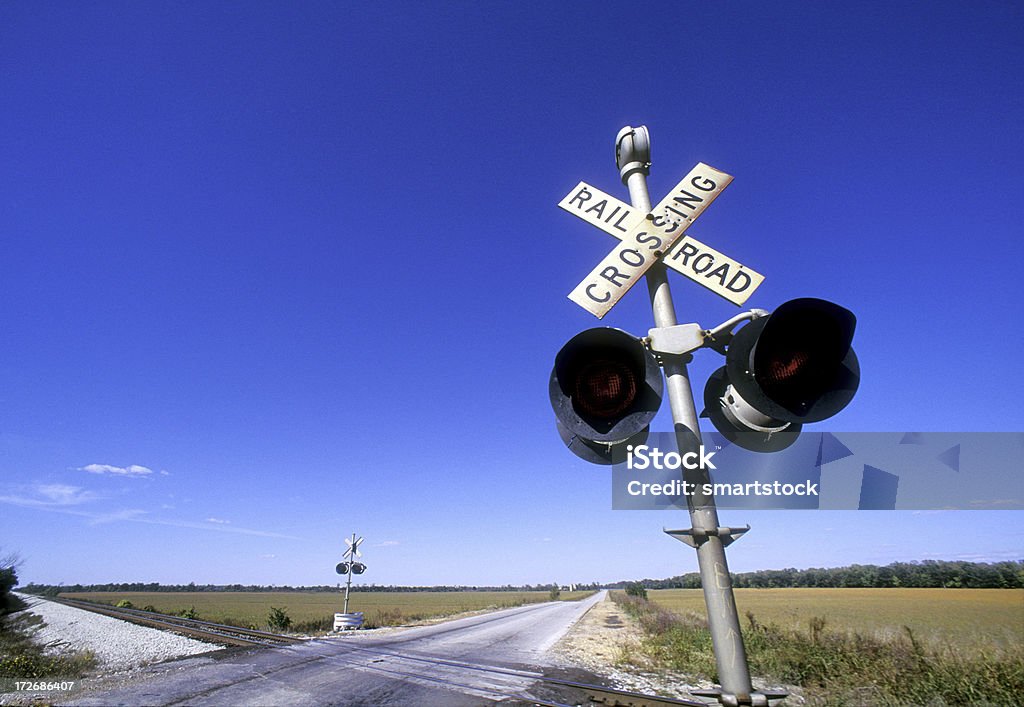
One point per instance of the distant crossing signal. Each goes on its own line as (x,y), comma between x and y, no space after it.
(793,367)
(605,389)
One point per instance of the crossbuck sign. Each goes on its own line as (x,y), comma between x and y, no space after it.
(659,235)
(353,548)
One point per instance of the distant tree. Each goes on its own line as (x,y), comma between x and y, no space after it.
(8,581)
(635,589)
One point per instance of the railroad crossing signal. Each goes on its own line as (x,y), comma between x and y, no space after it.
(795,366)
(350,568)
(605,389)
(782,369)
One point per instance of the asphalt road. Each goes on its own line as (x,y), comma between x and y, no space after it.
(477,660)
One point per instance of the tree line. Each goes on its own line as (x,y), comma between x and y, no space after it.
(923,574)
(121,587)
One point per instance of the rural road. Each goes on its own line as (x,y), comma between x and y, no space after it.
(471,661)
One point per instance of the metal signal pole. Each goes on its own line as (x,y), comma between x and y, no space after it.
(348,587)
(633,158)
(348,582)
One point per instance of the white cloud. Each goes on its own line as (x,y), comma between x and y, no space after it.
(217,520)
(43,495)
(128,514)
(387,543)
(131,470)
(64,495)
(57,498)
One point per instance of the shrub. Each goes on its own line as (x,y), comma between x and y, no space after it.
(278,620)
(124,604)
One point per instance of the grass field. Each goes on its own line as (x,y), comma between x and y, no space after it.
(971,618)
(849,646)
(315,610)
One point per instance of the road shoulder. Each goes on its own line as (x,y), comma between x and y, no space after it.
(606,642)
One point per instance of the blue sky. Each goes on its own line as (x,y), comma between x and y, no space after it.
(274,273)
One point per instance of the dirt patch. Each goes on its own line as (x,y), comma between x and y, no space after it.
(601,639)
(606,642)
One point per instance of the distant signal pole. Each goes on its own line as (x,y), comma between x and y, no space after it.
(349,566)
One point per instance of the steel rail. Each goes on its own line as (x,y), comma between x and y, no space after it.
(442,681)
(608,695)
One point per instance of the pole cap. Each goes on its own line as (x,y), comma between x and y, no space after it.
(633,151)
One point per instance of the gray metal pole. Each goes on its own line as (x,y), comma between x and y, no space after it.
(348,582)
(633,160)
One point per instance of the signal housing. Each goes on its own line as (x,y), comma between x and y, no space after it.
(793,367)
(605,389)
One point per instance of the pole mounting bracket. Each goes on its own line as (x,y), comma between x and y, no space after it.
(697,536)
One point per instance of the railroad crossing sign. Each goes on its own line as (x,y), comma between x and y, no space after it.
(353,547)
(659,235)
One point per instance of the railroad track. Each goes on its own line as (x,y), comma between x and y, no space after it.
(193,628)
(424,667)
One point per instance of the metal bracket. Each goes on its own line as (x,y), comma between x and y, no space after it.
(719,337)
(697,536)
(676,340)
(682,339)
(758,698)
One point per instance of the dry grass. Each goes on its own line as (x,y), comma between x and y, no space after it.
(858,658)
(972,618)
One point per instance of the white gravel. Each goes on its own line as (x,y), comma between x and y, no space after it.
(118,645)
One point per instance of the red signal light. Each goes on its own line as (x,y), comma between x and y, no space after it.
(605,388)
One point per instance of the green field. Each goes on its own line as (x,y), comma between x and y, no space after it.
(313,610)
(974,618)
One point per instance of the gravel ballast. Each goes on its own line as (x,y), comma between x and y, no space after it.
(118,645)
